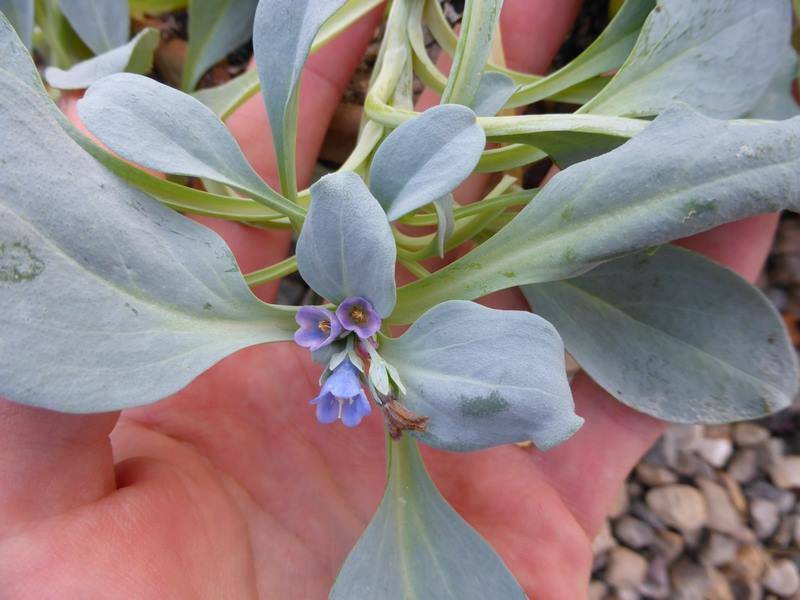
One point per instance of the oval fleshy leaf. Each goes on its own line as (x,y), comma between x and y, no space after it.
(493,92)
(20,14)
(107,298)
(676,336)
(346,247)
(101,25)
(484,377)
(216,28)
(684,174)
(283,33)
(134,57)
(692,52)
(425,158)
(417,546)
(135,117)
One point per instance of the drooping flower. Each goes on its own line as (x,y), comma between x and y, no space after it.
(342,397)
(318,327)
(357,314)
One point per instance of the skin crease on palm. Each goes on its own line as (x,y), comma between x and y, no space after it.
(231,489)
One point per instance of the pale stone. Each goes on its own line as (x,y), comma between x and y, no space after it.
(722,514)
(765,516)
(670,544)
(715,451)
(652,476)
(744,465)
(750,434)
(719,550)
(750,561)
(626,568)
(782,578)
(634,533)
(681,506)
(734,491)
(785,473)
(720,589)
(690,580)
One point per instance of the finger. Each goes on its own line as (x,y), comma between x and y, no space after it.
(51,462)
(614,437)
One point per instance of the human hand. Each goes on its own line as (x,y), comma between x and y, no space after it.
(231,489)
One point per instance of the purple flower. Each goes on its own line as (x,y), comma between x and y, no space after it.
(318,327)
(342,398)
(357,314)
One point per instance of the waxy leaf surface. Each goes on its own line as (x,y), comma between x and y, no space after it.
(674,335)
(718,57)
(283,33)
(107,298)
(20,14)
(485,377)
(138,119)
(216,28)
(493,92)
(778,101)
(346,247)
(425,158)
(134,57)
(417,547)
(684,174)
(102,24)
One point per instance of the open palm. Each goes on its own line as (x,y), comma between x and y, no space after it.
(231,489)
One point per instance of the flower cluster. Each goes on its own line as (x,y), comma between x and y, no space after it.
(353,325)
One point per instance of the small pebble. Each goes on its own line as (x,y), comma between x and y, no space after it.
(750,561)
(634,533)
(723,516)
(782,578)
(719,550)
(785,472)
(626,568)
(652,476)
(690,580)
(765,517)
(603,540)
(619,505)
(715,451)
(681,506)
(744,465)
(750,434)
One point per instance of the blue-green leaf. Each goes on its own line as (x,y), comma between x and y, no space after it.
(282,38)
(107,298)
(478,25)
(607,52)
(778,101)
(346,247)
(493,92)
(20,15)
(425,158)
(136,117)
(484,377)
(446,221)
(684,174)
(134,57)
(417,547)
(718,57)
(216,28)
(102,25)
(674,335)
